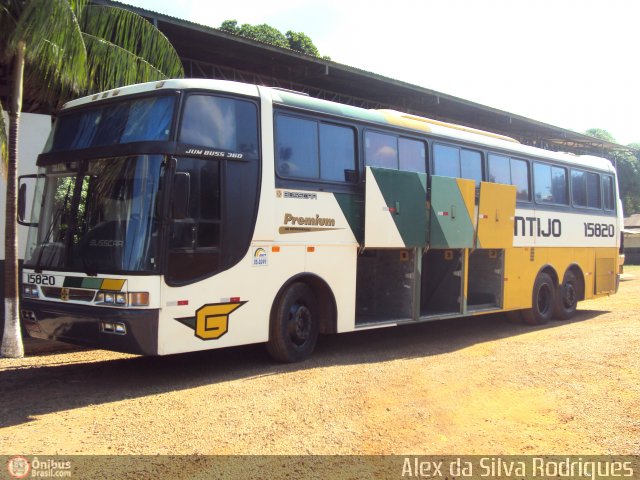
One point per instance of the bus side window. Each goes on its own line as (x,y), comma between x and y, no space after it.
(413,155)
(446,161)
(337,153)
(381,150)
(585,189)
(503,169)
(608,192)
(296,147)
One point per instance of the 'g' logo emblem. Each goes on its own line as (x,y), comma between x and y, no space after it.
(212,321)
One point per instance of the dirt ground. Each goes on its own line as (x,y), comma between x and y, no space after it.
(469,386)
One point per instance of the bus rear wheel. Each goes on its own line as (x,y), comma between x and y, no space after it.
(567,297)
(294,326)
(543,301)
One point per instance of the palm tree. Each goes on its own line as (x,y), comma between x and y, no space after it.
(60,49)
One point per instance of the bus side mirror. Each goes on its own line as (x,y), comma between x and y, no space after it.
(180,197)
(22,199)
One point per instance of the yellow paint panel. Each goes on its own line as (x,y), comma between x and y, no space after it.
(468,192)
(496,211)
(519,274)
(606,270)
(112,284)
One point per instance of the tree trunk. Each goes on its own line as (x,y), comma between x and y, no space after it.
(12,338)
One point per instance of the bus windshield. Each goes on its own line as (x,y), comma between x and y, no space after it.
(98,216)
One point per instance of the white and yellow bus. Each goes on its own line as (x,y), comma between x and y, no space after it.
(188,215)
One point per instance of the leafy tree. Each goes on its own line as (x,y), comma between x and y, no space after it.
(628,168)
(297,41)
(230,26)
(62,48)
(601,134)
(300,42)
(264,33)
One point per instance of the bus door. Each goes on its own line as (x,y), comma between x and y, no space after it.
(451,234)
(395,233)
(486,266)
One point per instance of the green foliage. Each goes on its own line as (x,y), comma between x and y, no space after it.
(264,33)
(296,41)
(601,134)
(300,42)
(628,168)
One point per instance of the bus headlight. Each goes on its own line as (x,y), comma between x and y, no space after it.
(132,299)
(29,290)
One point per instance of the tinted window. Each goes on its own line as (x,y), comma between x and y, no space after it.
(607,192)
(337,152)
(195,240)
(520,178)
(146,119)
(499,169)
(309,149)
(381,150)
(594,199)
(550,184)
(296,147)
(585,189)
(446,161)
(412,155)
(220,123)
(510,171)
(579,188)
(471,165)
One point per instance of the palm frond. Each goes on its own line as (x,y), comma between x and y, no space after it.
(125,48)
(55,48)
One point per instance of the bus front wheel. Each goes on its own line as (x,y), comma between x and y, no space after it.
(543,301)
(294,327)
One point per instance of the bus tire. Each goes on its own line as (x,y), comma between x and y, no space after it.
(567,297)
(543,301)
(294,325)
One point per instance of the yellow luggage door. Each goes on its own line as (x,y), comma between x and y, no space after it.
(496,212)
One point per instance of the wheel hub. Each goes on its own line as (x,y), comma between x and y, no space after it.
(299,323)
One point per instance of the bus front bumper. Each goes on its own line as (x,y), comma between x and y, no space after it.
(118,329)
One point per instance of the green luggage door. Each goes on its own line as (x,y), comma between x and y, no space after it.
(452,212)
(395,209)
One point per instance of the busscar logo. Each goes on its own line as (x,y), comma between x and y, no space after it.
(295,224)
(18,467)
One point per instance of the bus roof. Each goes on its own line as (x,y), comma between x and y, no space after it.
(390,118)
